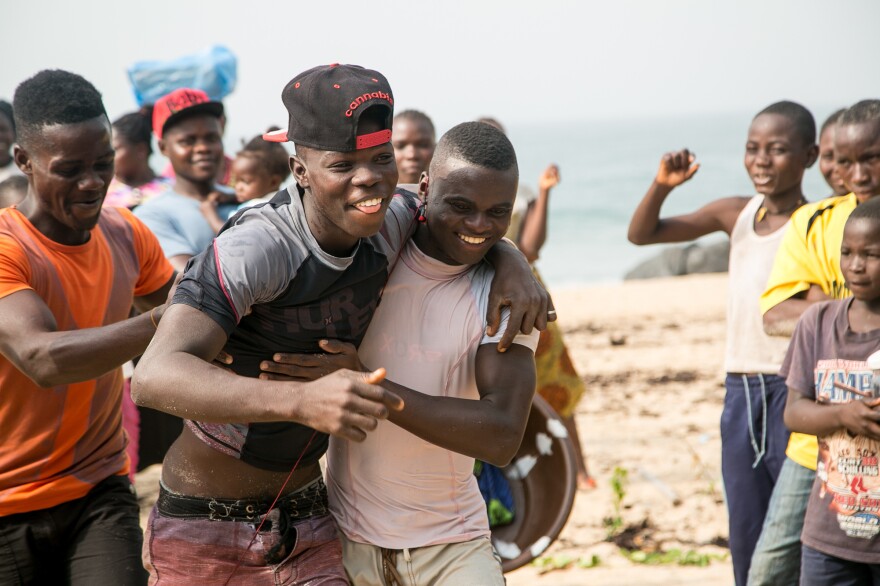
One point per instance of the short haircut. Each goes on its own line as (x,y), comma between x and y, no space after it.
(6,110)
(479,144)
(492,122)
(831,121)
(136,127)
(861,112)
(416,116)
(53,96)
(801,118)
(13,190)
(868,210)
(271,155)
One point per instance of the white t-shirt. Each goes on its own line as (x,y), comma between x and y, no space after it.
(394,489)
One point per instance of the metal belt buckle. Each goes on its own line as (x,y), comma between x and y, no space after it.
(215,514)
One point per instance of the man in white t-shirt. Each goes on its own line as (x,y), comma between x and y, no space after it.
(406,499)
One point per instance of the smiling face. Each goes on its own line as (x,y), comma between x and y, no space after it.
(194,146)
(827,163)
(413,148)
(776,155)
(467,209)
(70,167)
(346,194)
(860,258)
(857,149)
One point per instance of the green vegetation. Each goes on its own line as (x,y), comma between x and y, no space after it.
(552,563)
(673,556)
(619,479)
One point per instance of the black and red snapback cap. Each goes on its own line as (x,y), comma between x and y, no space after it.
(325,103)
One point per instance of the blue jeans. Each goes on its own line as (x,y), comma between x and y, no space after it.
(753,442)
(820,569)
(777,557)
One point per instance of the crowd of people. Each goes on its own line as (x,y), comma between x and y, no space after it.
(252,309)
(801,510)
(238,318)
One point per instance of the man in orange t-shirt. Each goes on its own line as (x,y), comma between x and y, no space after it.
(69,273)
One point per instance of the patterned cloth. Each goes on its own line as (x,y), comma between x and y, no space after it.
(120,195)
(558,382)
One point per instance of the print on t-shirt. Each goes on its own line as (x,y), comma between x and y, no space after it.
(847,465)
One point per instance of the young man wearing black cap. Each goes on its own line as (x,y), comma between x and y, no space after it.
(306,267)
(187,124)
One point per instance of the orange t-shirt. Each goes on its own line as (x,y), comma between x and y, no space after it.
(57,443)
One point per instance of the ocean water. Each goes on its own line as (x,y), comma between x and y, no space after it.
(605,169)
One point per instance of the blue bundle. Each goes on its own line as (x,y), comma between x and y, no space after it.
(495,488)
(214,71)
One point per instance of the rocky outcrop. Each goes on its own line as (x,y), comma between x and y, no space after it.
(683,260)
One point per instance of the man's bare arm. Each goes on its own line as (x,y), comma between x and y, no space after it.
(804,415)
(534,226)
(30,339)
(489,429)
(646,225)
(781,319)
(516,287)
(176,375)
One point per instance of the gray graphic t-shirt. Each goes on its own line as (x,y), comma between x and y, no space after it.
(270,286)
(826,361)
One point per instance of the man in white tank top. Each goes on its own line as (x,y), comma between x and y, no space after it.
(780,147)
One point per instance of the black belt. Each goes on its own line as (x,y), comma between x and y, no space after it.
(309,501)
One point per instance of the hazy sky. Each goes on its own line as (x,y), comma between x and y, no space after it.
(524,62)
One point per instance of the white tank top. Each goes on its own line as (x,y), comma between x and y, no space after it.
(749,349)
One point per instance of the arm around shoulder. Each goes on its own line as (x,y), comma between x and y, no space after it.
(516,287)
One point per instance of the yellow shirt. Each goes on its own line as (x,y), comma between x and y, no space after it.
(810,254)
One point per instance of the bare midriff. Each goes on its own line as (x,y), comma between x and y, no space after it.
(193,468)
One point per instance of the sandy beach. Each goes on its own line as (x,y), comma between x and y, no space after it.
(651,353)
(652,407)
